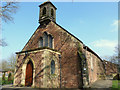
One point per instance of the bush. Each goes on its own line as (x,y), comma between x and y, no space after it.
(116,77)
(9,76)
(6,80)
(3,76)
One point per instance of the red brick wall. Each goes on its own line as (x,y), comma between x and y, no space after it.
(67,45)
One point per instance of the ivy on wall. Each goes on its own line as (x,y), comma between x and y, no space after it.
(83,63)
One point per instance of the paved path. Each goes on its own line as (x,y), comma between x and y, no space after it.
(102,84)
(97,84)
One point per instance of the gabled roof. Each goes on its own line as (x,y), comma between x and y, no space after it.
(88,49)
(68,32)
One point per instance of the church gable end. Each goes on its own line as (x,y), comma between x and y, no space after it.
(60,58)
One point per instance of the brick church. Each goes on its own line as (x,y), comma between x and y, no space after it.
(54,58)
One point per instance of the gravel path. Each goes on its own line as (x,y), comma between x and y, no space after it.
(102,84)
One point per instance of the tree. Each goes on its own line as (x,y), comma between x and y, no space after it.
(12,62)
(6,11)
(4,65)
(9,64)
(116,57)
(3,43)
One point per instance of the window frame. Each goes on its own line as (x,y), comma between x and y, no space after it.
(44,11)
(40,42)
(52,67)
(52,12)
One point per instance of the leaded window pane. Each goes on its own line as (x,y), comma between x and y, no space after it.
(52,67)
(50,41)
(45,39)
(41,42)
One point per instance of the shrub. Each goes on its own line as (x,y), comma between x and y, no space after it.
(116,77)
(3,76)
(9,77)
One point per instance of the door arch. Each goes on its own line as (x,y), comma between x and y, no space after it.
(29,74)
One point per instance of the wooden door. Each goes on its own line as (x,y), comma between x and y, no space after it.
(29,74)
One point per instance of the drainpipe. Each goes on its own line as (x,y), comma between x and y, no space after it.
(60,71)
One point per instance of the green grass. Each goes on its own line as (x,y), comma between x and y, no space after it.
(3,82)
(116,84)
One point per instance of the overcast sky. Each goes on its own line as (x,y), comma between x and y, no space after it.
(94,23)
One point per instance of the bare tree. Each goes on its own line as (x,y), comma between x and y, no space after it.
(4,64)
(3,43)
(12,62)
(7,9)
(8,64)
(115,58)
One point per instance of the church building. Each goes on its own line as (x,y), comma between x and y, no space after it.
(55,58)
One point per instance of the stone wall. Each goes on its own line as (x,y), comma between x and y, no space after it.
(41,62)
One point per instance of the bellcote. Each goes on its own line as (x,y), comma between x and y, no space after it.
(47,13)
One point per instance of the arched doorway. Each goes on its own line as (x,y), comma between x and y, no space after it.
(29,74)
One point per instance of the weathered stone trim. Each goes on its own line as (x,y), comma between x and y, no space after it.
(24,71)
(37,50)
(47,77)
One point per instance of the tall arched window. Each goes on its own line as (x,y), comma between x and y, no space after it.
(52,12)
(44,11)
(45,36)
(50,41)
(52,67)
(41,42)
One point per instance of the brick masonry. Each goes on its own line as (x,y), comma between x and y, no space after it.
(66,52)
(67,46)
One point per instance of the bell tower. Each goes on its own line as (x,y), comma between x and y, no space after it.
(47,13)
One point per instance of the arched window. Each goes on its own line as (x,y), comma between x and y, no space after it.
(50,41)
(41,42)
(45,36)
(52,67)
(52,12)
(44,11)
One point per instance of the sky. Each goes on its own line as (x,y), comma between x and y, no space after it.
(94,23)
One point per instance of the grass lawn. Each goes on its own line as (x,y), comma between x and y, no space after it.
(116,84)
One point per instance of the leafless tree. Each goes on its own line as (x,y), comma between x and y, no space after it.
(115,58)
(12,62)
(8,64)
(4,65)
(7,9)
(3,43)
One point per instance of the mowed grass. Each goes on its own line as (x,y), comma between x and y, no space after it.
(116,84)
